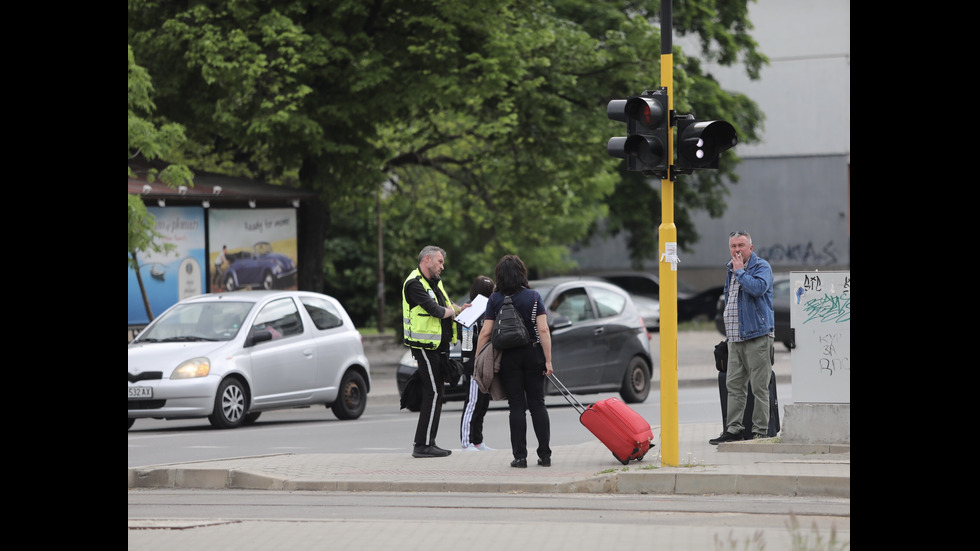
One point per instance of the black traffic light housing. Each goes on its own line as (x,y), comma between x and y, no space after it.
(647,121)
(700,143)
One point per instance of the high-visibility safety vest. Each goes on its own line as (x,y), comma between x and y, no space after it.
(421,330)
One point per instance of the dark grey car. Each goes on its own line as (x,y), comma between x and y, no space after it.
(691,304)
(598,341)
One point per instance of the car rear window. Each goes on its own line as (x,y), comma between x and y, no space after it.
(609,302)
(324,314)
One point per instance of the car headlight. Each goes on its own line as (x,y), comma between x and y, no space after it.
(196,367)
(408,360)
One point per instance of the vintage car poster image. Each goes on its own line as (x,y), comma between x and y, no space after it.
(169,278)
(251,249)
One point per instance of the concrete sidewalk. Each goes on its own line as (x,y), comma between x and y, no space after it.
(751,467)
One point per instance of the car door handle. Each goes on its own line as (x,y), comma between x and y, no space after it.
(598,331)
(308,353)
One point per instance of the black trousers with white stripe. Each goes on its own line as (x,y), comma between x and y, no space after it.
(475,407)
(431,369)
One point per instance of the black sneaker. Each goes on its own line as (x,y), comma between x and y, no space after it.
(519,463)
(544,461)
(429,451)
(437,449)
(725,437)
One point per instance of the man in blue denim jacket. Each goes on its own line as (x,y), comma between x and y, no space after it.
(749,326)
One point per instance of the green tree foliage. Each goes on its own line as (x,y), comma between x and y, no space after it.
(481,125)
(148,142)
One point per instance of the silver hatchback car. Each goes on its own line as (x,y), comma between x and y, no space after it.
(231,356)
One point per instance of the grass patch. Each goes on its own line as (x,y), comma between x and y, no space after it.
(801,541)
(697,325)
(691,462)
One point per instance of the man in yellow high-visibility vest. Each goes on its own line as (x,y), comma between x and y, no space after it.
(427,320)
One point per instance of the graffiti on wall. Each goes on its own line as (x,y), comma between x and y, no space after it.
(801,253)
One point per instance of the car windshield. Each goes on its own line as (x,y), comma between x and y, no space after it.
(780,288)
(198,321)
(646,285)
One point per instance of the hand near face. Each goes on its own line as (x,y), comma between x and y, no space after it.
(741,251)
(737,261)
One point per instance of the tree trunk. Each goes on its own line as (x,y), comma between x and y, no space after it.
(146,299)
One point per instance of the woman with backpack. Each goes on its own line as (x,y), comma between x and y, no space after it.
(524,368)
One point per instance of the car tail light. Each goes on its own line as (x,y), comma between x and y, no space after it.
(643,324)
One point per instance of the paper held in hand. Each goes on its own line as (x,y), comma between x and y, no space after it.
(478,307)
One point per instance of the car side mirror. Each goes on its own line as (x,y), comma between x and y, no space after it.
(257,337)
(559,322)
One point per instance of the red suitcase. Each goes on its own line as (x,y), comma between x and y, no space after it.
(624,431)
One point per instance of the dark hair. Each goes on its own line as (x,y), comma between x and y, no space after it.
(511,274)
(482,285)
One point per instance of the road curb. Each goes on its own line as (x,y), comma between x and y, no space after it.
(663,483)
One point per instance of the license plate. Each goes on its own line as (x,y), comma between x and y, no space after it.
(140,392)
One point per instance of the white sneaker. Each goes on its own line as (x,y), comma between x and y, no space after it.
(470,448)
(483,447)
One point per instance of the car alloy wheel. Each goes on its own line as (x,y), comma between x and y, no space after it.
(229,405)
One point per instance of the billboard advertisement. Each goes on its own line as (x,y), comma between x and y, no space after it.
(169,278)
(251,249)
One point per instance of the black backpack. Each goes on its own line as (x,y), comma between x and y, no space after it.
(509,330)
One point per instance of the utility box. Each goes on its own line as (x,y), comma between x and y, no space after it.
(820,316)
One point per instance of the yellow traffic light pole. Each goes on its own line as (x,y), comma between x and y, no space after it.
(649,147)
(669,421)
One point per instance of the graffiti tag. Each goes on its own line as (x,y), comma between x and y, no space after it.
(831,360)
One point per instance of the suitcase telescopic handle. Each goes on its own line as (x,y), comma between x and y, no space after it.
(568,395)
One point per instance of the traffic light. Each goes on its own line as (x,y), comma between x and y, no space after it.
(647,127)
(700,143)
